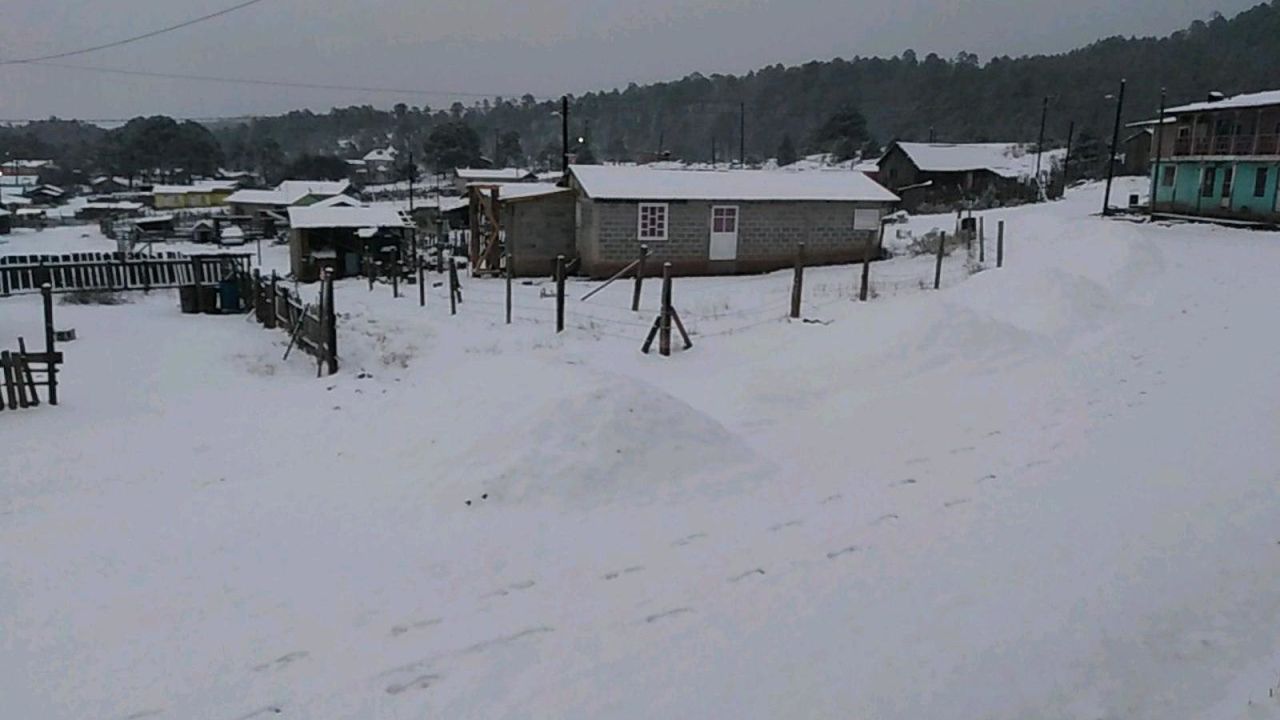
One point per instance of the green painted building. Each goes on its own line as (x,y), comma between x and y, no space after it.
(1220,159)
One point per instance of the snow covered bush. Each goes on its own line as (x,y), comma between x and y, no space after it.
(94,297)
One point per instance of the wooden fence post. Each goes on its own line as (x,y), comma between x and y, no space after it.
(664,318)
(46,293)
(422,274)
(329,322)
(453,285)
(395,280)
(10,384)
(256,293)
(510,276)
(982,239)
(635,294)
(937,271)
(864,288)
(797,284)
(4,281)
(560,293)
(1000,244)
(273,310)
(195,271)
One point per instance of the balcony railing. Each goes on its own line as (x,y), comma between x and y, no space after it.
(1228,145)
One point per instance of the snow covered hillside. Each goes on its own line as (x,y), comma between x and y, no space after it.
(1046,491)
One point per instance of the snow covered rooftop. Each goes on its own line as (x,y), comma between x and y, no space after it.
(201,186)
(347,217)
(339,201)
(493,173)
(1011,160)
(289,192)
(522,191)
(605,182)
(381,155)
(1237,102)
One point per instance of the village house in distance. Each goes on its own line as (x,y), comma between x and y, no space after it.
(1221,159)
(704,222)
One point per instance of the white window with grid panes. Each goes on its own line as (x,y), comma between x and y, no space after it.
(653,221)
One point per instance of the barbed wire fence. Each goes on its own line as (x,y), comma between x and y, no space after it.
(722,306)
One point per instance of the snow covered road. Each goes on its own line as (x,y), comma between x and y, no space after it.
(1051,491)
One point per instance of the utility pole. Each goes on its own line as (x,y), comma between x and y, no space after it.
(564,134)
(1066,162)
(931,135)
(1115,142)
(713,150)
(742,135)
(1044,116)
(1155,172)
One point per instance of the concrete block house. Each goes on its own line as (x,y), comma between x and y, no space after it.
(1223,161)
(722,221)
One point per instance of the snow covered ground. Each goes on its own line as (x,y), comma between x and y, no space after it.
(1046,491)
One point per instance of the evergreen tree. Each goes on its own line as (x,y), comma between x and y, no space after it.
(509,152)
(452,145)
(786,152)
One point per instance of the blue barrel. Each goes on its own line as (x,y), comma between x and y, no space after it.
(229,295)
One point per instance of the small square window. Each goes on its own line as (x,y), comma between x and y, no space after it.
(653,221)
(1169,174)
(1260,183)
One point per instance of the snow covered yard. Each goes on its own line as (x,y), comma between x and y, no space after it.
(1046,491)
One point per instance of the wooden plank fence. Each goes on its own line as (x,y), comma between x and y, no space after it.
(22,372)
(115,271)
(312,327)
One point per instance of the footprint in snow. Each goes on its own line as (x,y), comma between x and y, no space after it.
(908,481)
(956,503)
(143,714)
(985,478)
(282,661)
(688,539)
(963,450)
(422,682)
(785,525)
(830,499)
(842,552)
(667,614)
(994,433)
(268,710)
(625,571)
(1036,463)
(399,630)
(884,519)
(918,461)
(514,587)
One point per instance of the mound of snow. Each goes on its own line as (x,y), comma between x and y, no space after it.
(619,441)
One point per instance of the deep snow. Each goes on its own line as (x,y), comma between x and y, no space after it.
(1046,491)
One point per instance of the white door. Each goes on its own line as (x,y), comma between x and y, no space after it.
(724,232)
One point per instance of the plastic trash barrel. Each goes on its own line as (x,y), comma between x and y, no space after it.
(229,295)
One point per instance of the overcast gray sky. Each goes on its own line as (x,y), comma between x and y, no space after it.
(509,47)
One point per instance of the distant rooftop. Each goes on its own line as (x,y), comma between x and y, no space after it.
(1010,160)
(1237,102)
(611,182)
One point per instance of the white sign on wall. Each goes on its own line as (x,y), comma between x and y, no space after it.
(866,219)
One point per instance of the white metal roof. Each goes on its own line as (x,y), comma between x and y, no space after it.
(1009,160)
(1237,102)
(610,182)
(347,217)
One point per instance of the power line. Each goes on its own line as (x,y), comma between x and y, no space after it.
(136,38)
(271,83)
